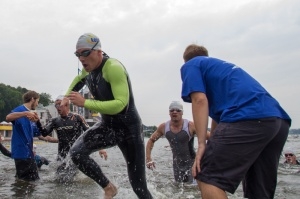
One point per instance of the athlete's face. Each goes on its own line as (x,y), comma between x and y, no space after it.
(62,110)
(92,60)
(290,158)
(175,114)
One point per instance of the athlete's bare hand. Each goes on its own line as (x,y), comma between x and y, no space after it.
(76,98)
(103,154)
(32,116)
(150,164)
(64,102)
(196,166)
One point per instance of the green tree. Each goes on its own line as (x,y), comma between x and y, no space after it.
(45,99)
(11,97)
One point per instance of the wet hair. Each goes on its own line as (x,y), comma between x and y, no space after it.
(29,95)
(194,50)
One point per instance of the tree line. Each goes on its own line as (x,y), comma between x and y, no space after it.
(11,97)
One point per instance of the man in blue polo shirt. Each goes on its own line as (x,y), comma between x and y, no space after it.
(248,132)
(23,118)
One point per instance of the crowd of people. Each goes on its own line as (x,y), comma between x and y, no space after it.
(247,126)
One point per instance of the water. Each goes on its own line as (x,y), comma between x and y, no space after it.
(160,181)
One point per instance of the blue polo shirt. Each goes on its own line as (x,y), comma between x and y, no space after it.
(22,138)
(232,94)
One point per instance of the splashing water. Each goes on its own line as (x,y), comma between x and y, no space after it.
(160,181)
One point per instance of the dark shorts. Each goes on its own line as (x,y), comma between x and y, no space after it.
(26,169)
(248,151)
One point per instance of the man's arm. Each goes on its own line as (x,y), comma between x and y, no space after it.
(115,74)
(200,117)
(42,133)
(16,115)
(48,139)
(193,132)
(150,144)
(45,131)
(78,82)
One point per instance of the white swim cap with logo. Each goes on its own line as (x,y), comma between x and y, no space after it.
(88,40)
(176,105)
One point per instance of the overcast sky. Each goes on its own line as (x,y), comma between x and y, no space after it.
(38,41)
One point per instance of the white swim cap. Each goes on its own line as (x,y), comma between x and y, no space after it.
(60,97)
(288,150)
(176,105)
(88,40)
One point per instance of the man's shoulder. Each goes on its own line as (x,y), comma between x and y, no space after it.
(162,125)
(75,115)
(20,108)
(114,64)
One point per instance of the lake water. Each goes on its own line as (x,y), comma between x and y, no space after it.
(160,181)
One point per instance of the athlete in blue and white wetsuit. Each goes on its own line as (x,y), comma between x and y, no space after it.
(180,134)
(121,125)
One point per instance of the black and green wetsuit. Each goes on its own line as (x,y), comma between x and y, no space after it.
(121,124)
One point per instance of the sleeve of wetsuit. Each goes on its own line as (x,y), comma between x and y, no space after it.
(115,74)
(78,82)
(5,151)
(47,129)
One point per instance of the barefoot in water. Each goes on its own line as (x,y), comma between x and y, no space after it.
(110,191)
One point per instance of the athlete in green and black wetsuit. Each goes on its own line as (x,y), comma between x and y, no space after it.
(121,125)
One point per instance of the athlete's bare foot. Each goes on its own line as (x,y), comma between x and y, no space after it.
(110,191)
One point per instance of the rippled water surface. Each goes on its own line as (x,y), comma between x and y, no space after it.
(160,181)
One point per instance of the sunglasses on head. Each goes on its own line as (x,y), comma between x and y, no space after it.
(289,154)
(85,53)
(177,110)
